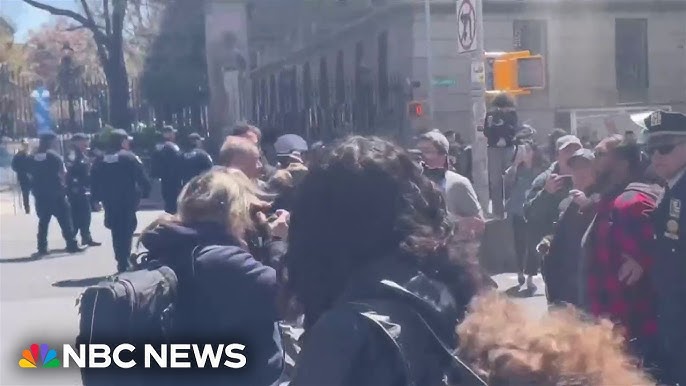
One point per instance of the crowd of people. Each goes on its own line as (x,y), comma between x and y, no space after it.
(373,250)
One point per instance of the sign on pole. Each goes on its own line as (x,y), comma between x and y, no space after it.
(466,26)
(41,110)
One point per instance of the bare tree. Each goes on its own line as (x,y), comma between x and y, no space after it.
(106,21)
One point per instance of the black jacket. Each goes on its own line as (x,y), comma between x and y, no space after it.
(47,173)
(166,163)
(346,347)
(21,163)
(78,174)
(561,267)
(500,124)
(231,298)
(194,163)
(119,181)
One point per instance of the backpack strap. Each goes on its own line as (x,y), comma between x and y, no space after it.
(381,312)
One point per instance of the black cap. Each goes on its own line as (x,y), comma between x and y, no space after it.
(168,129)
(79,137)
(195,137)
(47,135)
(665,123)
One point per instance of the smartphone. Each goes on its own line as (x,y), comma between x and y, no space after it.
(565,178)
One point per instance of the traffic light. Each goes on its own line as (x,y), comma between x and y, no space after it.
(416,109)
(514,72)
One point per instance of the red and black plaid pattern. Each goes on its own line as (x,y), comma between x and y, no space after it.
(623,227)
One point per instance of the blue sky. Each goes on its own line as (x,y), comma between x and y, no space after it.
(26,17)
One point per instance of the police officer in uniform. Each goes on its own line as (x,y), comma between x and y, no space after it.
(196,160)
(166,165)
(666,146)
(20,165)
(119,182)
(49,191)
(78,185)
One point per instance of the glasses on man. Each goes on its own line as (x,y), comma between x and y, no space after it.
(663,149)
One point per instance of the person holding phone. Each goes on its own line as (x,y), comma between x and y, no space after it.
(528,163)
(542,205)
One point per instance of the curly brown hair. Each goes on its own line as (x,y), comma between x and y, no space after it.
(510,348)
(366,201)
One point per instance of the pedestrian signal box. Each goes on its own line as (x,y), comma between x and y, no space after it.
(514,72)
(416,109)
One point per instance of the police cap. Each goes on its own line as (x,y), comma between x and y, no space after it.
(195,137)
(665,127)
(47,136)
(79,137)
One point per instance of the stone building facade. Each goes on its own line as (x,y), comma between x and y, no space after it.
(325,76)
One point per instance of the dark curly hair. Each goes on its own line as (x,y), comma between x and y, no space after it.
(366,200)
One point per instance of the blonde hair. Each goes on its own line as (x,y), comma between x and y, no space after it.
(234,146)
(508,347)
(222,196)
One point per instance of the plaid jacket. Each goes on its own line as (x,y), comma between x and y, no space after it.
(621,228)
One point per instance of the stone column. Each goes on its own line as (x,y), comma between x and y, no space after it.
(226,40)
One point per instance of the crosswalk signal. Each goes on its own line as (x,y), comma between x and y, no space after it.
(416,109)
(514,72)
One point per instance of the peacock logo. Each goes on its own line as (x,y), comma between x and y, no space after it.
(48,357)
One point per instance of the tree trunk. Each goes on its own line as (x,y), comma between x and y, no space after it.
(118,88)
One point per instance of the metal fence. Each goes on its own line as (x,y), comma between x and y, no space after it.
(84,108)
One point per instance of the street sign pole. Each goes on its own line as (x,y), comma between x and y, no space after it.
(429,58)
(478,90)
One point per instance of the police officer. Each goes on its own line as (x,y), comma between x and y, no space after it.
(78,185)
(20,165)
(166,165)
(119,182)
(666,145)
(48,176)
(196,160)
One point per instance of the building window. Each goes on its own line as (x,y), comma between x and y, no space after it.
(631,59)
(383,67)
(323,83)
(340,78)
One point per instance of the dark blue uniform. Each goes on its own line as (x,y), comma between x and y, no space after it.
(21,163)
(195,162)
(78,184)
(166,165)
(47,173)
(670,274)
(666,130)
(119,182)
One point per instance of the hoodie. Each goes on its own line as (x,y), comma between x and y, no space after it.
(230,298)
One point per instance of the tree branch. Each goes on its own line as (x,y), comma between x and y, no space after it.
(86,22)
(106,11)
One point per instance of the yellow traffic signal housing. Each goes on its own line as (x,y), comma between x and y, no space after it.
(514,72)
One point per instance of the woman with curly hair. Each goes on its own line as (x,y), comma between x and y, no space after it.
(371,247)
(508,347)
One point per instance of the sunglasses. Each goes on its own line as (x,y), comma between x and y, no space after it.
(663,149)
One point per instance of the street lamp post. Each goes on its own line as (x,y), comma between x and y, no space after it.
(429,58)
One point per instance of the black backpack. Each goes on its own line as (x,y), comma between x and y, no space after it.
(131,307)
(413,339)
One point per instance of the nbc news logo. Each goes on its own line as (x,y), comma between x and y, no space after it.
(154,356)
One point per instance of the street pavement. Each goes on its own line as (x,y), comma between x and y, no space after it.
(37,296)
